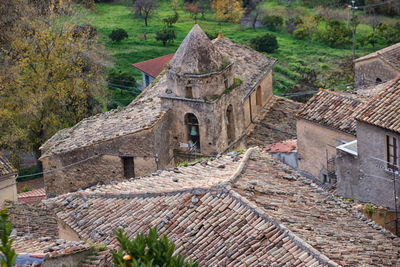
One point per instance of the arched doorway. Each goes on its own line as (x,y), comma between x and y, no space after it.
(258,97)
(193,133)
(378,80)
(230,127)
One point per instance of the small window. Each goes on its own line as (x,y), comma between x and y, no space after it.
(391,153)
(146,80)
(189,92)
(326,179)
(129,169)
(378,80)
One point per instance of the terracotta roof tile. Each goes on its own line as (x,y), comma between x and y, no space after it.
(32,196)
(154,66)
(333,109)
(390,54)
(382,110)
(318,217)
(5,167)
(282,147)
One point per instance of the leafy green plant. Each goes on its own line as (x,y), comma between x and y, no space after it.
(369,209)
(147,250)
(273,22)
(182,164)
(118,35)
(8,256)
(171,20)
(236,82)
(266,43)
(26,189)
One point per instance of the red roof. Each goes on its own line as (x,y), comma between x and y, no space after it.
(155,66)
(282,147)
(32,196)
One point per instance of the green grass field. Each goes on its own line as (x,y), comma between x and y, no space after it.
(295,56)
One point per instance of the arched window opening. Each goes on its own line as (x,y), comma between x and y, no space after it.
(192,125)
(378,80)
(258,96)
(230,127)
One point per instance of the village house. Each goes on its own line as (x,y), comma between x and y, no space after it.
(151,68)
(380,66)
(201,105)
(324,122)
(369,166)
(8,181)
(241,209)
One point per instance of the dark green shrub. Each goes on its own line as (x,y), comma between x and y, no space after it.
(272,22)
(118,35)
(165,36)
(266,43)
(147,250)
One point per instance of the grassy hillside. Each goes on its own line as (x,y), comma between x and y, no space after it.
(322,66)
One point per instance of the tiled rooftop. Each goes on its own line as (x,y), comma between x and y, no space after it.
(247,210)
(382,110)
(323,220)
(154,66)
(390,54)
(286,146)
(5,167)
(275,123)
(333,109)
(145,110)
(32,196)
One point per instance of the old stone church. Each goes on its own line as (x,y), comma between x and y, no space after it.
(200,105)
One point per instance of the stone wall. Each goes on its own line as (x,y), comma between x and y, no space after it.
(8,189)
(105,163)
(348,175)
(376,183)
(368,71)
(317,144)
(251,110)
(33,219)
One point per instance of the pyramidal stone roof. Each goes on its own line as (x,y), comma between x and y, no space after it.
(197,54)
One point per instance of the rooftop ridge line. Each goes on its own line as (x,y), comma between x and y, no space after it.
(297,240)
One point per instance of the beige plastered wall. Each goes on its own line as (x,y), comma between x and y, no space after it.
(317,144)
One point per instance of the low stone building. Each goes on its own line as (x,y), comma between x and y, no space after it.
(8,181)
(325,121)
(380,66)
(236,210)
(201,105)
(368,168)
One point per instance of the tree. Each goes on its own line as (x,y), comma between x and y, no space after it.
(273,22)
(49,80)
(389,33)
(254,10)
(145,8)
(204,7)
(309,26)
(171,20)
(266,43)
(118,35)
(228,10)
(166,36)
(7,255)
(292,24)
(335,34)
(147,250)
